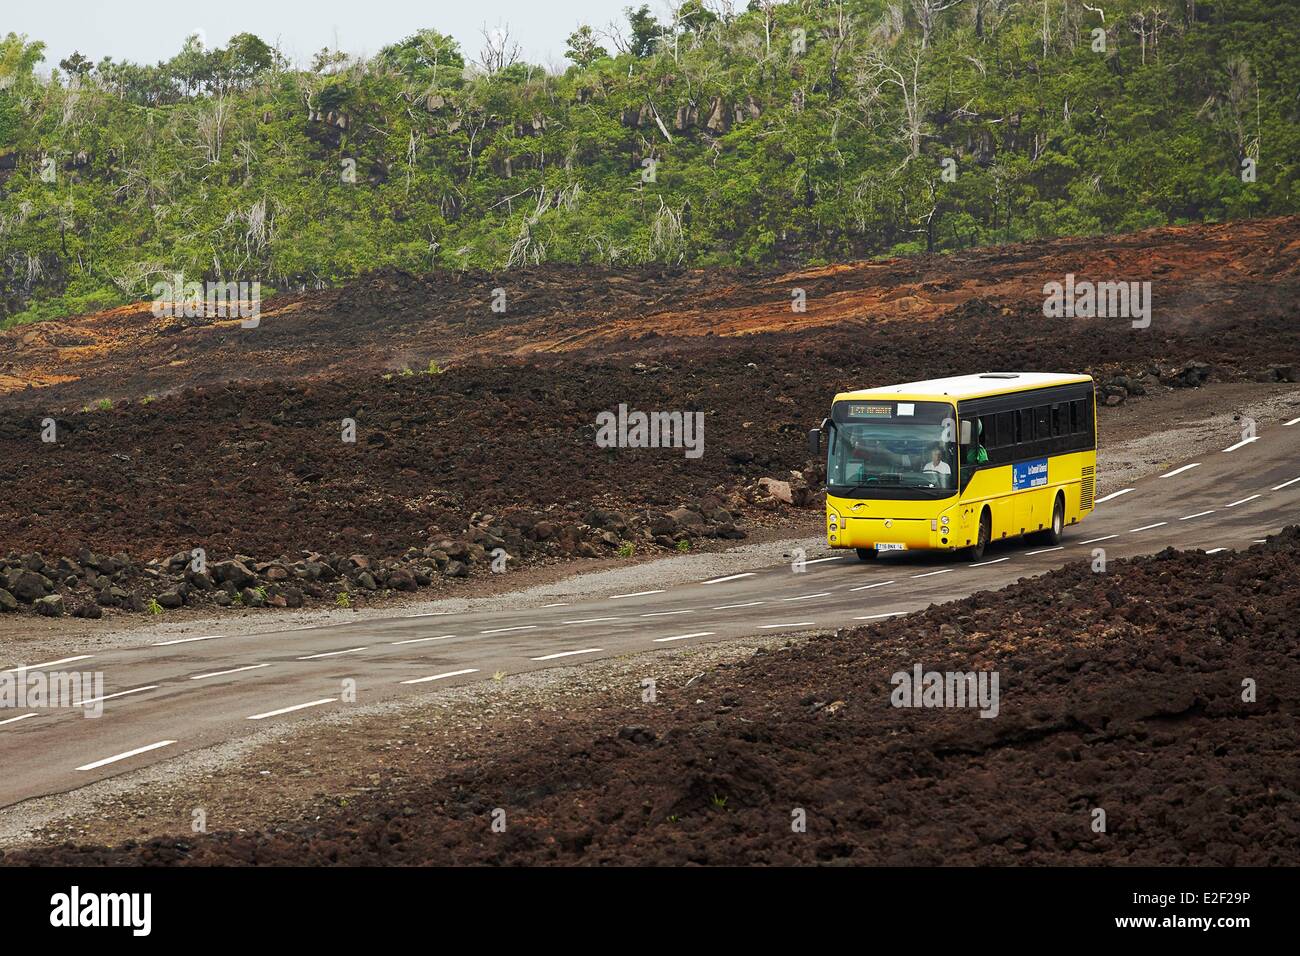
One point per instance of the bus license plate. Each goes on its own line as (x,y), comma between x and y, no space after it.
(890,547)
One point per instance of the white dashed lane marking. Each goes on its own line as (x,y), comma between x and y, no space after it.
(591,620)
(1059,547)
(1148,527)
(879,584)
(420,640)
(521,627)
(1284,484)
(1112,495)
(1244,441)
(668,613)
(551,657)
(730,577)
(728,607)
(682,637)
(985,564)
(930,573)
(1291,422)
(290,710)
(425,680)
(1179,471)
(557,604)
(1199,514)
(768,627)
(233,670)
(876,617)
(614,597)
(121,693)
(14,720)
(1242,501)
(130,753)
(834,557)
(350,650)
(805,597)
(1215,550)
(1104,537)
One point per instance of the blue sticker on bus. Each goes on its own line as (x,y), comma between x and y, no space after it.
(1029,474)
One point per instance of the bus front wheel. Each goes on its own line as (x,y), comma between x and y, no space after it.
(976,550)
(866,554)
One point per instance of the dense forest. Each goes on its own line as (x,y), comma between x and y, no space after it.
(804,131)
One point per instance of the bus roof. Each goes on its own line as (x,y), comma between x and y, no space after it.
(968,386)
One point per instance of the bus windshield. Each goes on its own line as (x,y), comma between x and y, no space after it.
(892,449)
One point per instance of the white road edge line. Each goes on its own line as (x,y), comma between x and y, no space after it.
(290,710)
(614,597)
(130,753)
(187,640)
(235,670)
(502,630)
(1199,514)
(557,604)
(1148,527)
(1179,471)
(1291,422)
(730,577)
(1284,484)
(876,617)
(14,720)
(1215,550)
(420,640)
(551,657)
(682,637)
(769,627)
(425,680)
(350,650)
(879,584)
(834,557)
(1113,494)
(1244,441)
(32,667)
(1242,501)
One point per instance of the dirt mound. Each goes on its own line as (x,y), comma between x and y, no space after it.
(1130,697)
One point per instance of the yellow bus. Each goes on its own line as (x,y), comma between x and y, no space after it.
(955,463)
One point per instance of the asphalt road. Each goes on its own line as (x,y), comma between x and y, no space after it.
(167,696)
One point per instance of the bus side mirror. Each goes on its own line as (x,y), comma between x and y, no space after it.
(814,441)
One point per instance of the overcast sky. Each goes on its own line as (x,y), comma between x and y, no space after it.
(146,31)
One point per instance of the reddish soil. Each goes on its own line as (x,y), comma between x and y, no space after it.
(1120,691)
(247,457)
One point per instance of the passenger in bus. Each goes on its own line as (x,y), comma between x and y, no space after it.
(936,465)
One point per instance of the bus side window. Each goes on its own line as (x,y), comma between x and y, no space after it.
(1025,433)
(1042,428)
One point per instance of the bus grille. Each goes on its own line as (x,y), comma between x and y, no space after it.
(1087,487)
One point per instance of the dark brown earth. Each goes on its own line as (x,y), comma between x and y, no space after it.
(448,466)
(1121,691)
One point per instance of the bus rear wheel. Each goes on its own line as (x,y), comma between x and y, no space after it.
(976,550)
(1053,534)
(866,554)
